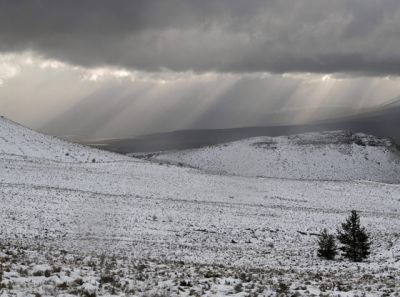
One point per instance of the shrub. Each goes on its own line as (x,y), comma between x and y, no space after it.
(327,246)
(282,288)
(238,288)
(47,273)
(354,239)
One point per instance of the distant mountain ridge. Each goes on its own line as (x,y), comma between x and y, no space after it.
(383,121)
(394,102)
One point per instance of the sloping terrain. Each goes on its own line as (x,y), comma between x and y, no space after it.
(18,142)
(128,227)
(316,156)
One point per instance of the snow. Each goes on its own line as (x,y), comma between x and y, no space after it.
(40,269)
(148,227)
(336,155)
(20,143)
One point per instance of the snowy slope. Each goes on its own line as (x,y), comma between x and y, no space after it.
(335,155)
(154,226)
(17,142)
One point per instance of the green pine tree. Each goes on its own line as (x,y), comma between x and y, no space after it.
(326,246)
(354,239)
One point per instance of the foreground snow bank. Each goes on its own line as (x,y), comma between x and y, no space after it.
(122,275)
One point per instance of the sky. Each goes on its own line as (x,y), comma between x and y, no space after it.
(110,69)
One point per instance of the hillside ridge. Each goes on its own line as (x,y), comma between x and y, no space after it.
(335,155)
(19,142)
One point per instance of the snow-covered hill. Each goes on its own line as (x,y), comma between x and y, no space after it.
(128,227)
(18,142)
(337,155)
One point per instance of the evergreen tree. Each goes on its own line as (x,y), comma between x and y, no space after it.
(326,246)
(354,239)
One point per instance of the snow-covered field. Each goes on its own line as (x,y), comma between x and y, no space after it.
(123,226)
(336,155)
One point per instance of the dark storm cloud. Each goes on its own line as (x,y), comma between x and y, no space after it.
(323,36)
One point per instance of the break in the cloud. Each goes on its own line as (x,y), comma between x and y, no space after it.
(322,36)
(102,68)
(61,99)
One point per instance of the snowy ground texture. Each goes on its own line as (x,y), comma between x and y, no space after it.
(77,221)
(336,155)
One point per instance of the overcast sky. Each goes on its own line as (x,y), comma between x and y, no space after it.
(101,68)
